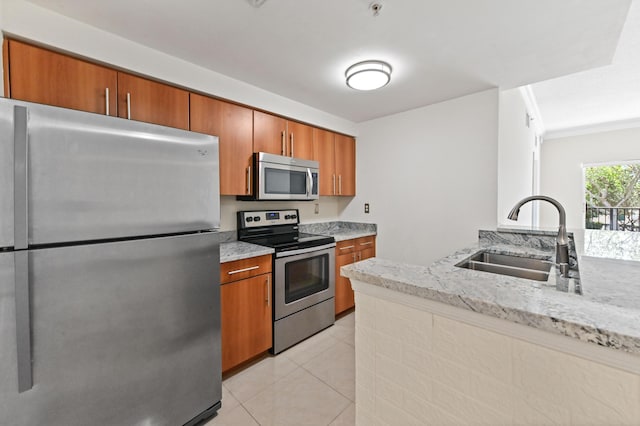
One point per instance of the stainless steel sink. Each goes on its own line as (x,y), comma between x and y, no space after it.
(504,264)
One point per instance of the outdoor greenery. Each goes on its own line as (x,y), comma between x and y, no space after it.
(613,186)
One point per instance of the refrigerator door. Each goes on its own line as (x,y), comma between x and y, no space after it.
(93,177)
(123,333)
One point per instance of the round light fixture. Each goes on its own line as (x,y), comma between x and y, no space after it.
(368,75)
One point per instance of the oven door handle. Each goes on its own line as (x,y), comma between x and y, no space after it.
(305,250)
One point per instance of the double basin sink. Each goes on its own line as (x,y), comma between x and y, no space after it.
(504,264)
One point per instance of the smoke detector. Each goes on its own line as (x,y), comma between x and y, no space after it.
(256,3)
(375,8)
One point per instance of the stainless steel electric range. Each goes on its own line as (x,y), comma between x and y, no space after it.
(303,273)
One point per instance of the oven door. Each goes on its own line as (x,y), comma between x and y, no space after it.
(303,279)
(286,182)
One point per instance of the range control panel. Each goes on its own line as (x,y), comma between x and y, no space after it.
(252,219)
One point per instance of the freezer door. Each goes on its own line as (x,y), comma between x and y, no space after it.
(123,333)
(93,177)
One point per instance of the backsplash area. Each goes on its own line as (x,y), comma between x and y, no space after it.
(328,209)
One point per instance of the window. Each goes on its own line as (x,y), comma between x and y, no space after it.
(612,195)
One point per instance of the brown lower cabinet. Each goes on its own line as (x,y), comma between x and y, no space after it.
(245,301)
(347,252)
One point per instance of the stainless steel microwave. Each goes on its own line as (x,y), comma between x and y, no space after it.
(276,177)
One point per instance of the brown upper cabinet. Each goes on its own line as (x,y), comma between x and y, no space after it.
(233,124)
(46,77)
(277,135)
(345,151)
(324,153)
(337,156)
(145,100)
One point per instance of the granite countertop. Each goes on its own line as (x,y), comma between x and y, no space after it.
(340,230)
(237,250)
(607,312)
(231,250)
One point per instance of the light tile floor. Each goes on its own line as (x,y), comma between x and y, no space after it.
(312,383)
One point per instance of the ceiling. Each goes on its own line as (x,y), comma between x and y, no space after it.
(439,49)
(609,94)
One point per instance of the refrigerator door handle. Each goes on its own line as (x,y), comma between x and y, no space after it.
(21,243)
(23,320)
(20,183)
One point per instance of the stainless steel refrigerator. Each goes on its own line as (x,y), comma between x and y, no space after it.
(109,270)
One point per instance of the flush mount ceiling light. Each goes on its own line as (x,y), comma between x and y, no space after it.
(368,75)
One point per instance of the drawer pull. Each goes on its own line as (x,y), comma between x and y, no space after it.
(237,271)
(367,243)
(346,248)
(268,290)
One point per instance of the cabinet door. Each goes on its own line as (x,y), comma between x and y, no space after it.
(39,75)
(233,125)
(345,147)
(300,142)
(246,319)
(324,153)
(344,298)
(269,133)
(145,100)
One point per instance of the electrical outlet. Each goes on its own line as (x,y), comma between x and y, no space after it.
(317,208)
(366,207)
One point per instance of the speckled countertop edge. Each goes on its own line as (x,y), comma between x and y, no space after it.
(237,250)
(514,299)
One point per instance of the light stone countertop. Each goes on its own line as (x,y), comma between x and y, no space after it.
(236,250)
(607,313)
(340,230)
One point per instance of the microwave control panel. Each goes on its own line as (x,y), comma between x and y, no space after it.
(253,219)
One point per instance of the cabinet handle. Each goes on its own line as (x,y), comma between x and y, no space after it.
(291,141)
(354,257)
(334,184)
(284,147)
(249,180)
(346,248)
(359,255)
(106,100)
(367,243)
(129,106)
(237,271)
(268,290)
(339,184)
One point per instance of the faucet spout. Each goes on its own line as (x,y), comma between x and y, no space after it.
(562,242)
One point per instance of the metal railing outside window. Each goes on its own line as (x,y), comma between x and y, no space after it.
(613,218)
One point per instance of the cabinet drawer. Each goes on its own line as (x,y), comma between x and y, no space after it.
(346,246)
(364,243)
(244,268)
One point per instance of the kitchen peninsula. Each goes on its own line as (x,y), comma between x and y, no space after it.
(448,345)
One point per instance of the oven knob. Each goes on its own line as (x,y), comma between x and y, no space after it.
(293,216)
(256,218)
(249,219)
(287,217)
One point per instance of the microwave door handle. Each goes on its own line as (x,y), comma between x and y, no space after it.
(309,182)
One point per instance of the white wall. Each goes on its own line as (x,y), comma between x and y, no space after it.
(516,145)
(430,176)
(31,22)
(561,172)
